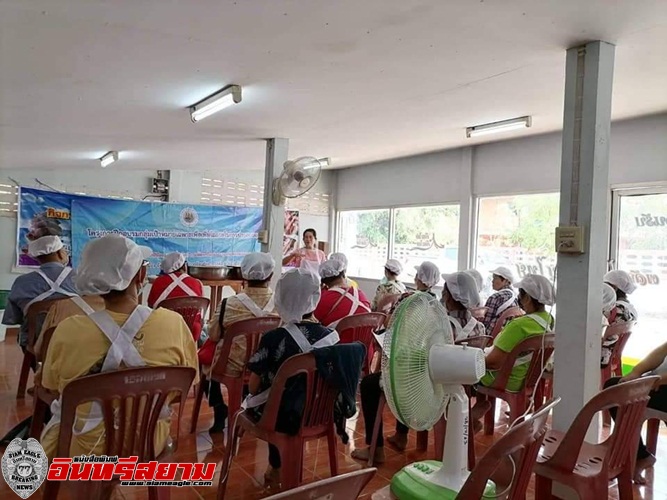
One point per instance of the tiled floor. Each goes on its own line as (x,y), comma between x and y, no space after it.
(246,476)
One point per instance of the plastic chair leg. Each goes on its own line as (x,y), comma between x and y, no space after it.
(652,431)
(376,430)
(543,487)
(292,465)
(333,454)
(490,418)
(624,481)
(28,357)
(38,414)
(227,463)
(197,404)
(422,440)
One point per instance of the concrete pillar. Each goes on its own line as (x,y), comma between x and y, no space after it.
(584,195)
(466,212)
(273,219)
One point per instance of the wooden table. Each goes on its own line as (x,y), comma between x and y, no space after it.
(216,292)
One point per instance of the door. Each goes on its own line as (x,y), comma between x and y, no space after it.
(639,246)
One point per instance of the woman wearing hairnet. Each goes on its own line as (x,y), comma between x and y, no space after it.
(535,293)
(622,310)
(114,268)
(296,296)
(459,296)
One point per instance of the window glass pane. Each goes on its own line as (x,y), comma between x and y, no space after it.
(642,251)
(517,232)
(427,233)
(363,236)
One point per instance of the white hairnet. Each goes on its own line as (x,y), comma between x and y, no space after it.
(504,272)
(621,280)
(109,263)
(608,298)
(330,268)
(172,262)
(477,276)
(428,273)
(257,266)
(539,288)
(340,257)
(297,294)
(463,289)
(394,266)
(44,246)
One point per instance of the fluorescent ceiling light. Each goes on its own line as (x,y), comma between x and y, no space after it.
(216,102)
(502,126)
(109,158)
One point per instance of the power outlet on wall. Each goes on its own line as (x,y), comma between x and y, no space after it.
(570,239)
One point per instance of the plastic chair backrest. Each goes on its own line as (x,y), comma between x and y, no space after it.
(480,341)
(618,329)
(522,442)
(344,487)
(319,399)
(190,308)
(630,399)
(479,312)
(387,302)
(541,347)
(360,328)
(129,427)
(507,315)
(35,318)
(251,331)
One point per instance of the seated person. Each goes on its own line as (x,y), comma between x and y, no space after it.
(53,280)
(255,301)
(653,364)
(390,285)
(459,296)
(112,267)
(535,292)
(176,282)
(503,298)
(370,389)
(338,300)
(343,260)
(297,294)
(623,312)
(309,257)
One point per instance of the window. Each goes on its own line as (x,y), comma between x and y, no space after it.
(417,234)
(426,233)
(517,232)
(363,236)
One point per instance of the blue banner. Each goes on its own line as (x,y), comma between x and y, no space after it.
(206,234)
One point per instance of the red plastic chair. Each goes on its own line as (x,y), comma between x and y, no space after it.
(42,397)
(192,309)
(522,442)
(585,467)
(129,427)
(479,312)
(507,315)
(614,368)
(360,328)
(316,422)
(35,318)
(480,341)
(251,331)
(517,401)
(344,487)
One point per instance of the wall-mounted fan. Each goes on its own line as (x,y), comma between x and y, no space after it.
(297,178)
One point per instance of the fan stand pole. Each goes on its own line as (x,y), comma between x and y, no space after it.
(454,470)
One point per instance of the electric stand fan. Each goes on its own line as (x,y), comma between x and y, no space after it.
(422,375)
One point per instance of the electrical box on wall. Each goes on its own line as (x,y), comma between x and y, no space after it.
(570,239)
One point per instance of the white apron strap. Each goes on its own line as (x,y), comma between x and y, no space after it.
(507,304)
(304,346)
(355,303)
(250,305)
(547,329)
(83,305)
(176,282)
(54,287)
(628,306)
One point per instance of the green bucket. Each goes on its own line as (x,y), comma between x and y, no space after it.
(4,295)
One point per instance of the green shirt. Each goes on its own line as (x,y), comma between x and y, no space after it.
(512,335)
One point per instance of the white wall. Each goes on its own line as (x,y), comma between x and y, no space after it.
(638,155)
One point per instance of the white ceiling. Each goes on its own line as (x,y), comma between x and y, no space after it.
(359,81)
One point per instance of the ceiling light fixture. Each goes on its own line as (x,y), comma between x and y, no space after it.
(495,127)
(109,158)
(216,102)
